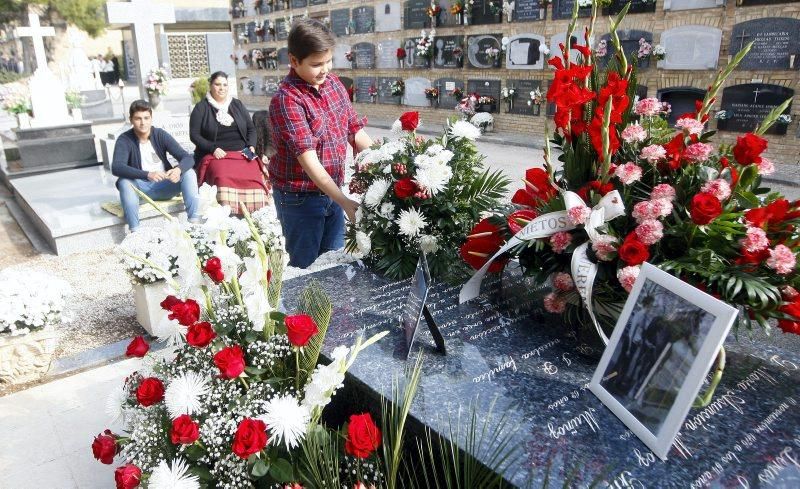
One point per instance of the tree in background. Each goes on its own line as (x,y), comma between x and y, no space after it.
(87,15)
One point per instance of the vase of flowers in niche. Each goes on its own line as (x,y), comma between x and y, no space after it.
(508,94)
(496,9)
(351,58)
(466,15)
(398,88)
(457,10)
(156,86)
(493,55)
(434,11)
(543,8)
(401,57)
(424,47)
(373,93)
(485,103)
(432,94)
(535,99)
(458,56)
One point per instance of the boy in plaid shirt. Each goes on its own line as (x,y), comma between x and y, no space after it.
(312,123)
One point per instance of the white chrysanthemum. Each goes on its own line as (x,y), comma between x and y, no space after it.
(175,476)
(115,403)
(443,157)
(185,394)
(376,192)
(363,242)
(434,178)
(428,244)
(463,129)
(170,330)
(434,149)
(286,421)
(359,215)
(411,222)
(390,149)
(387,211)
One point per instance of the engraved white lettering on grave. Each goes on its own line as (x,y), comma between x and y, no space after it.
(510,364)
(785,459)
(586,418)
(729,399)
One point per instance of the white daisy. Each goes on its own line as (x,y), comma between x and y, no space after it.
(363,242)
(375,192)
(434,149)
(463,129)
(434,178)
(115,404)
(185,393)
(411,222)
(175,476)
(286,421)
(428,244)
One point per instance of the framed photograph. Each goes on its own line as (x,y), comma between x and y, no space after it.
(663,345)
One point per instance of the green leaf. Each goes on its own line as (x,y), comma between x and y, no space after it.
(194,452)
(254,370)
(282,471)
(260,469)
(201,472)
(315,303)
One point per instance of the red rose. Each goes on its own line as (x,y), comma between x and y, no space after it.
(748,149)
(186,312)
(632,251)
(363,436)
(230,362)
(138,347)
(213,268)
(519,219)
(200,334)
(104,447)
(170,301)
(128,476)
(250,437)
(184,430)
(405,188)
(409,120)
(705,208)
(150,391)
(300,328)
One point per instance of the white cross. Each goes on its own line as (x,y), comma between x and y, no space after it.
(141,15)
(36,32)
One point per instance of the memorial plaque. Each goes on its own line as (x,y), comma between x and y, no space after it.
(414,16)
(775,41)
(388,17)
(251,32)
(317,2)
(339,20)
(746,106)
(508,357)
(283,57)
(362,86)
(529,10)
(340,60)
(629,38)
(415,92)
(476,49)
(270,85)
(299,3)
(562,9)
(691,47)
(691,4)
(522,90)
(386,57)
(412,60)
(282,29)
(524,52)
(574,54)
(486,88)
(637,7)
(681,100)
(384,91)
(446,87)
(482,12)
(448,52)
(446,19)
(364,53)
(364,19)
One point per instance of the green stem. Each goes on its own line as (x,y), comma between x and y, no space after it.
(151,202)
(297,368)
(244,382)
(704,399)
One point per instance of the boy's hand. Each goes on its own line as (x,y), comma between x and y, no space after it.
(219,153)
(174,175)
(156,176)
(350,207)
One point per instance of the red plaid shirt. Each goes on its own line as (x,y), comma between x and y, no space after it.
(303,119)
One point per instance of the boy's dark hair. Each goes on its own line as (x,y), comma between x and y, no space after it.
(139,106)
(216,75)
(309,36)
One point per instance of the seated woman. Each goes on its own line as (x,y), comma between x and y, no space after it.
(224,137)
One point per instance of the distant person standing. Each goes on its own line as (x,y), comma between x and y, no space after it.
(107,71)
(97,67)
(115,65)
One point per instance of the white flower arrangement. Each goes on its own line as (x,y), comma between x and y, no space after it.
(482,120)
(659,52)
(30,301)
(147,254)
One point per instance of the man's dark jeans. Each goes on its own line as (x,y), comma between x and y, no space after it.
(312,224)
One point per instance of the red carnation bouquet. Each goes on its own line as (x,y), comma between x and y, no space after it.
(630,191)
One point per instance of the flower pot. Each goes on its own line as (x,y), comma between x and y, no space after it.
(486,107)
(23,120)
(496,63)
(77,115)
(402,63)
(27,357)
(399,100)
(148,303)
(154,99)
(466,19)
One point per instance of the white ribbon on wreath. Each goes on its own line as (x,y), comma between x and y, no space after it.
(583,270)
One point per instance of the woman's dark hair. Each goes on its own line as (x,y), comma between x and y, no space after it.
(309,36)
(216,75)
(139,106)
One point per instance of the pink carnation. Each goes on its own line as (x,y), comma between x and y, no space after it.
(628,173)
(719,188)
(634,133)
(563,282)
(765,166)
(560,240)
(627,277)
(554,303)
(690,125)
(644,210)
(579,214)
(755,240)
(650,231)
(648,107)
(653,153)
(663,191)
(698,152)
(604,247)
(661,207)
(782,260)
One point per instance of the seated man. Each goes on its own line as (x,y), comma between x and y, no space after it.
(140,159)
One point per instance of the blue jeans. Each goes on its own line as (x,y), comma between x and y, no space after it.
(162,190)
(312,224)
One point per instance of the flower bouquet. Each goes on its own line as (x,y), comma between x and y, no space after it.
(17,103)
(457,93)
(397,89)
(373,93)
(433,11)
(483,121)
(467,105)
(630,193)
(420,194)
(424,47)
(156,82)
(508,94)
(432,94)
(401,56)
(147,254)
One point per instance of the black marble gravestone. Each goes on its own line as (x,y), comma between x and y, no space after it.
(446,87)
(746,106)
(362,85)
(282,29)
(562,9)
(483,12)
(486,88)
(317,2)
(364,19)
(523,89)
(346,81)
(299,3)
(364,53)
(681,99)
(339,20)
(270,85)
(747,3)
(529,10)
(251,32)
(476,49)
(776,41)
(414,16)
(445,54)
(629,38)
(384,91)
(637,7)
(283,57)
(506,356)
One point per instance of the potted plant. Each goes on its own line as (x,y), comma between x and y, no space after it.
(401,57)
(432,94)
(31,305)
(483,121)
(398,88)
(19,105)
(156,86)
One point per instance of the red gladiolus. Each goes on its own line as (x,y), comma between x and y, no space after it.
(519,219)
(538,189)
(300,328)
(250,438)
(705,208)
(792,309)
(748,149)
(230,362)
(774,213)
(213,268)
(138,347)
(409,120)
(363,436)
(405,188)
